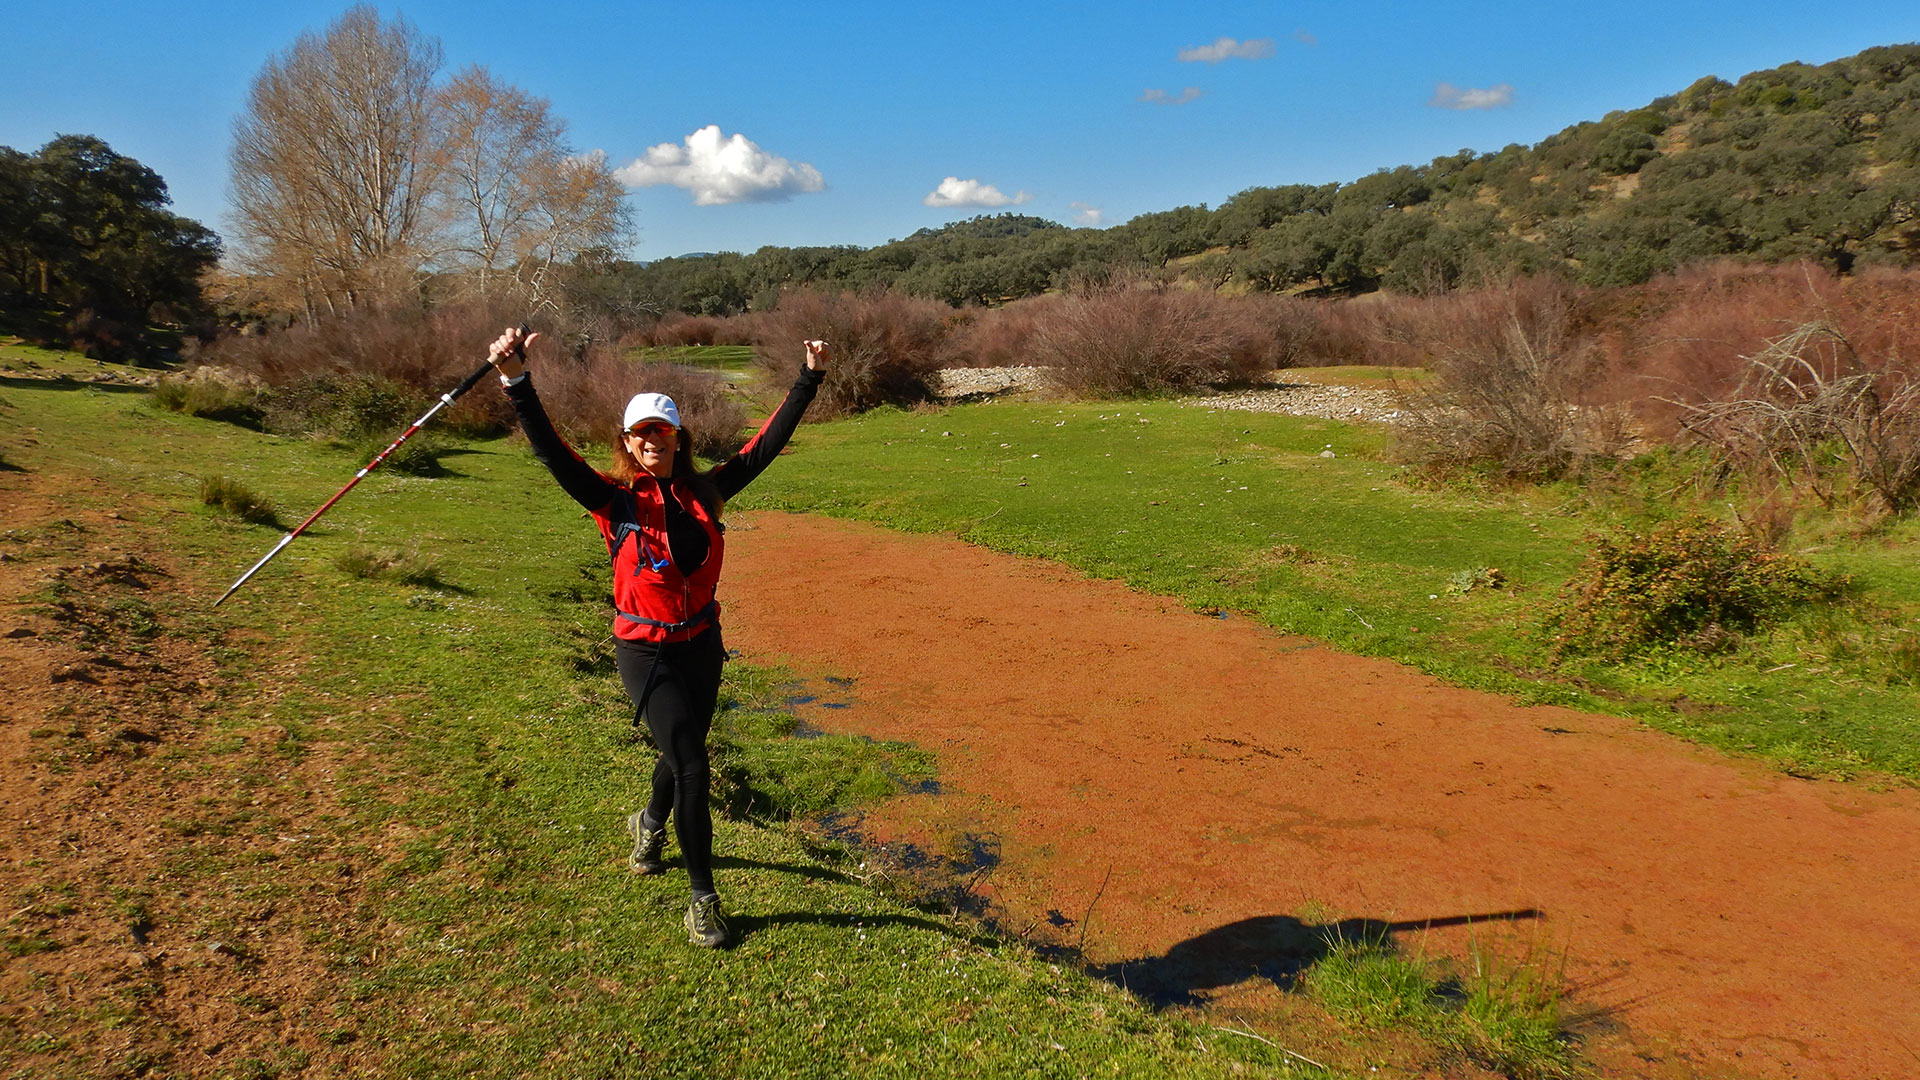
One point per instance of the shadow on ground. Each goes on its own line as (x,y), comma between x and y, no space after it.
(1272,947)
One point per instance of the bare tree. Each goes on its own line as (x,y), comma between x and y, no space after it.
(518,199)
(334,163)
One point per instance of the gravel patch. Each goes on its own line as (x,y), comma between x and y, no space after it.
(1311,399)
(1289,398)
(960,383)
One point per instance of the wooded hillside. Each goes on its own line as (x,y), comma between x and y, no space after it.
(1797,162)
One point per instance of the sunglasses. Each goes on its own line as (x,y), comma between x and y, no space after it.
(652,429)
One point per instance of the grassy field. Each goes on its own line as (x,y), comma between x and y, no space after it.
(1303,525)
(734,361)
(413,780)
(421,691)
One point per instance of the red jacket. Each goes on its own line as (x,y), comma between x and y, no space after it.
(652,601)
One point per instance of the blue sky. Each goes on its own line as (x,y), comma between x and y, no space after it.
(840,123)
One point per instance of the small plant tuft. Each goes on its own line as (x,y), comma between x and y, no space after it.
(407,568)
(213,393)
(1511,1018)
(1502,1014)
(1367,981)
(230,496)
(1462,582)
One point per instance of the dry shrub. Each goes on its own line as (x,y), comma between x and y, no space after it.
(1315,333)
(1002,336)
(681,329)
(1133,338)
(1511,386)
(585,398)
(1808,396)
(886,347)
(422,353)
(363,376)
(1383,328)
(1685,339)
(1273,331)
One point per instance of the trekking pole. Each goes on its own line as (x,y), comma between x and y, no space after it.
(446,399)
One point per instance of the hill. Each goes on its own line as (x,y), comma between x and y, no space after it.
(1795,162)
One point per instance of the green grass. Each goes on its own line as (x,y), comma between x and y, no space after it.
(17,356)
(1502,1015)
(732,360)
(1301,524)
(459,764)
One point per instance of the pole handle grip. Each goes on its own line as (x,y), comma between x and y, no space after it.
(479,373)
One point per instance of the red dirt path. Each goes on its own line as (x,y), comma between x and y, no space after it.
(1158,775)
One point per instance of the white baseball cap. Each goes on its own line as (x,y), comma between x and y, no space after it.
(646,407)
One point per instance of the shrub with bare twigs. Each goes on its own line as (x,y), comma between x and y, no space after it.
(1809,398)
(683,329)
(1146,337)
(1510,377)
(886,346)
(363,375)
(416,353)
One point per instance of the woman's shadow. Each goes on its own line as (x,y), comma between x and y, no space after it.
(1272,947)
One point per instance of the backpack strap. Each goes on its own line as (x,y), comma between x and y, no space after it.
(698,618)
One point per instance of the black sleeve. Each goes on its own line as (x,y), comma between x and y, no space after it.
(734,474)
(577,478)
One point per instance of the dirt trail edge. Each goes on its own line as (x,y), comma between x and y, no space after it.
(1176,793)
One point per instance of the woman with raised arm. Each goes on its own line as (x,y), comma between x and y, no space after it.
(660,518)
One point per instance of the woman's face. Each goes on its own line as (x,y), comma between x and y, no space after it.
(653,443)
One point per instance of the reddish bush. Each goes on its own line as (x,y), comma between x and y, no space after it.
(999,337)
(886,347)
(585,398)
(371,370)
(1144,338)
(425,352)
(1686,339)
(1513,383)
(681,329)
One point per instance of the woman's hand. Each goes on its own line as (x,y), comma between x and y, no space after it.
(508,353)
(816,355)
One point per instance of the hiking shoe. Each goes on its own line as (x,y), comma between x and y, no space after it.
(648,845)
(705,927)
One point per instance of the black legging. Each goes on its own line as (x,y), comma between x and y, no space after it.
(679,710)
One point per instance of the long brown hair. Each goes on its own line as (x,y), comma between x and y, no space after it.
(627,468)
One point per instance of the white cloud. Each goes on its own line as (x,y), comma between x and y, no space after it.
(1305,37)
(1227,48)
(720,170)
(1090,216)
(954,191)
(1449,96)
(1161,97)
